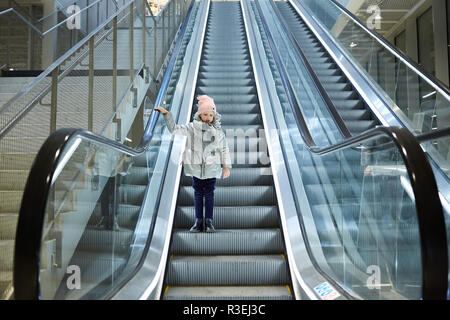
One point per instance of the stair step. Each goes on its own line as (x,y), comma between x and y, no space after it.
(6,255)
(228,293)
(239,177)
(239,270)
(244,217)
(227,241)
(237,195)
(8,225)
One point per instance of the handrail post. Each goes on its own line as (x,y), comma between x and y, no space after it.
(116,120)
(91,86)
(8,47)
(114,67)
(132,42)
(54,100)
(144,29)
(169,9)
(163,48)
(155,44)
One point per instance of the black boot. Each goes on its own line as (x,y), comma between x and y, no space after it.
(198,226)
(209,226)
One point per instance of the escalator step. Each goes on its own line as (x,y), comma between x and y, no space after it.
(228,293)
(243,270)
(227,242)
(243,217)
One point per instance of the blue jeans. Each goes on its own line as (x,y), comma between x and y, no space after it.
(203,189)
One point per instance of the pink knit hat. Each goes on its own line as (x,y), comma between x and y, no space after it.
(205,104)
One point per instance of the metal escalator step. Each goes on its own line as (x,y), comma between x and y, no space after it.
(6,255)
(149,156)
(237,108)
(240,177)
(252,159)
(330,86)
(255,129)
(359,126)
(240,99)
(220,42)
(327,72)
(98,266)
(243,217)
(237,195)
(226,82)
(221,62)
(241,270)
(333,79)
(105,240)
(313,60)
(342,95)
(214,50)
(132,194)
(225,75)
(215,90)
(227,242)
(8,225)
(224,68)
(127,216)
(348,104)
(240,119)
(226,56)
(138,176)
(228,293)
(358,114)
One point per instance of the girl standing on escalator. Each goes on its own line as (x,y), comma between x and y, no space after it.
(206,157)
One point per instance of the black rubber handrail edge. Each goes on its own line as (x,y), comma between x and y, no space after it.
(438,83)
(433,239)
(36,193)
(434,135)
(328,102)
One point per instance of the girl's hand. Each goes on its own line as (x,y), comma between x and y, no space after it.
(226,172)
(162,110)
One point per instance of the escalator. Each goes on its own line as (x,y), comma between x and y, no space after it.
(334,229)
(245,258)
(352,108)
(369,81)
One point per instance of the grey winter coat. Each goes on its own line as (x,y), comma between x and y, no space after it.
(206,146)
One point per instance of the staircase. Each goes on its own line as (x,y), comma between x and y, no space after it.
(245,257)
(20,38)
(20,146)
